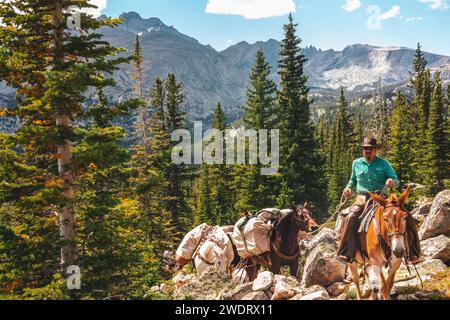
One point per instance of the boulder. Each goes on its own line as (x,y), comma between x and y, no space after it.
(285,288)
(321,266)
(165,288)
(438,220)
(436,248)
(240,291)
(181,279)
(423,209)
(256,296)
(263,282)
(336,289)
(426,270)
(325,235)
(154,289)
(317,295)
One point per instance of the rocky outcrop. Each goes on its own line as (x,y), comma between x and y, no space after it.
(403,279)
(321,266)
(438,220)
(437,248)
(263,282)
(421,212)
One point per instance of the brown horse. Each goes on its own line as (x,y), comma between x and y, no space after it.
(284,247)
(384,244)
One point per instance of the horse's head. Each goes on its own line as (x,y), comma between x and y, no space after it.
(303,218)
(394,219)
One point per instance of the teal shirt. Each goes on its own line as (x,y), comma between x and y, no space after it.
(371,177)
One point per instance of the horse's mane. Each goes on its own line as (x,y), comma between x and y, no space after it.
(285,221)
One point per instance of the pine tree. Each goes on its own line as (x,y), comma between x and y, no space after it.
(214,185)
(301,165)
(380,127)
(400,140)
(52,70)
(342,151)
(255,191)
(419,109)
(437,156)
(177,175)
(107,225)
(261,95)
(141,124)
(150,178)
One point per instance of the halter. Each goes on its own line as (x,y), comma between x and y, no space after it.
(299,219)
(393,233)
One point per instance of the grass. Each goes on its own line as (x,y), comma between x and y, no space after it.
(351,294)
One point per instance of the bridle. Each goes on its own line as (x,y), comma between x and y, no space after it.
(390,235)
(298,218)
(297,253)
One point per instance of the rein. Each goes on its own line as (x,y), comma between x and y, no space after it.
(339,207)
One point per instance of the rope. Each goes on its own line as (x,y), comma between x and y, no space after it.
(339,207)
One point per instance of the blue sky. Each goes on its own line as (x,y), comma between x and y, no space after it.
(323,23)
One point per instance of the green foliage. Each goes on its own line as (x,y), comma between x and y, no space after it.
(301,161)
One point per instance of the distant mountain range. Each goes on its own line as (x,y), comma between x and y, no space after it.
(210,76)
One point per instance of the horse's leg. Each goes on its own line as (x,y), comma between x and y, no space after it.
(276,264)
(355,276)
(294,268)
(395,264)
(378,281)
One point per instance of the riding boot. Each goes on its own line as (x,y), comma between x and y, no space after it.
(413,239)
(348,245)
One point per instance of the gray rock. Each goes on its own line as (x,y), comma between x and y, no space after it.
(325,235)
(241,290)
(425,269)
(154,289)
(318,295)
(263,282)
(436,248)
(256,296)
(321,266)
(336,289)
(438,220)
(423,209)
(165,288)
(284,290)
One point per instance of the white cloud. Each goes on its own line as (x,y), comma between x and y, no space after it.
(251,9)
(352,5)
(392,13)
(230,41)
(436,4)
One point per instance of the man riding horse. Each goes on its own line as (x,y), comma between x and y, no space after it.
(371,173)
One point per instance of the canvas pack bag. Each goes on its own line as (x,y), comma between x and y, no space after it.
(192,240)
(252,235)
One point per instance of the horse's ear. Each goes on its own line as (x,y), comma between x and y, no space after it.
(306,205)
(382,201)
(404,196)
(293,206)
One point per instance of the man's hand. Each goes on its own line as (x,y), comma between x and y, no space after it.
(390,183)
(347,193)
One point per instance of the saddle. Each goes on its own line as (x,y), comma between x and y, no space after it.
(364,222)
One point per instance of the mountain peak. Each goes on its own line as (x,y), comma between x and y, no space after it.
(132,15)
(133,22)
